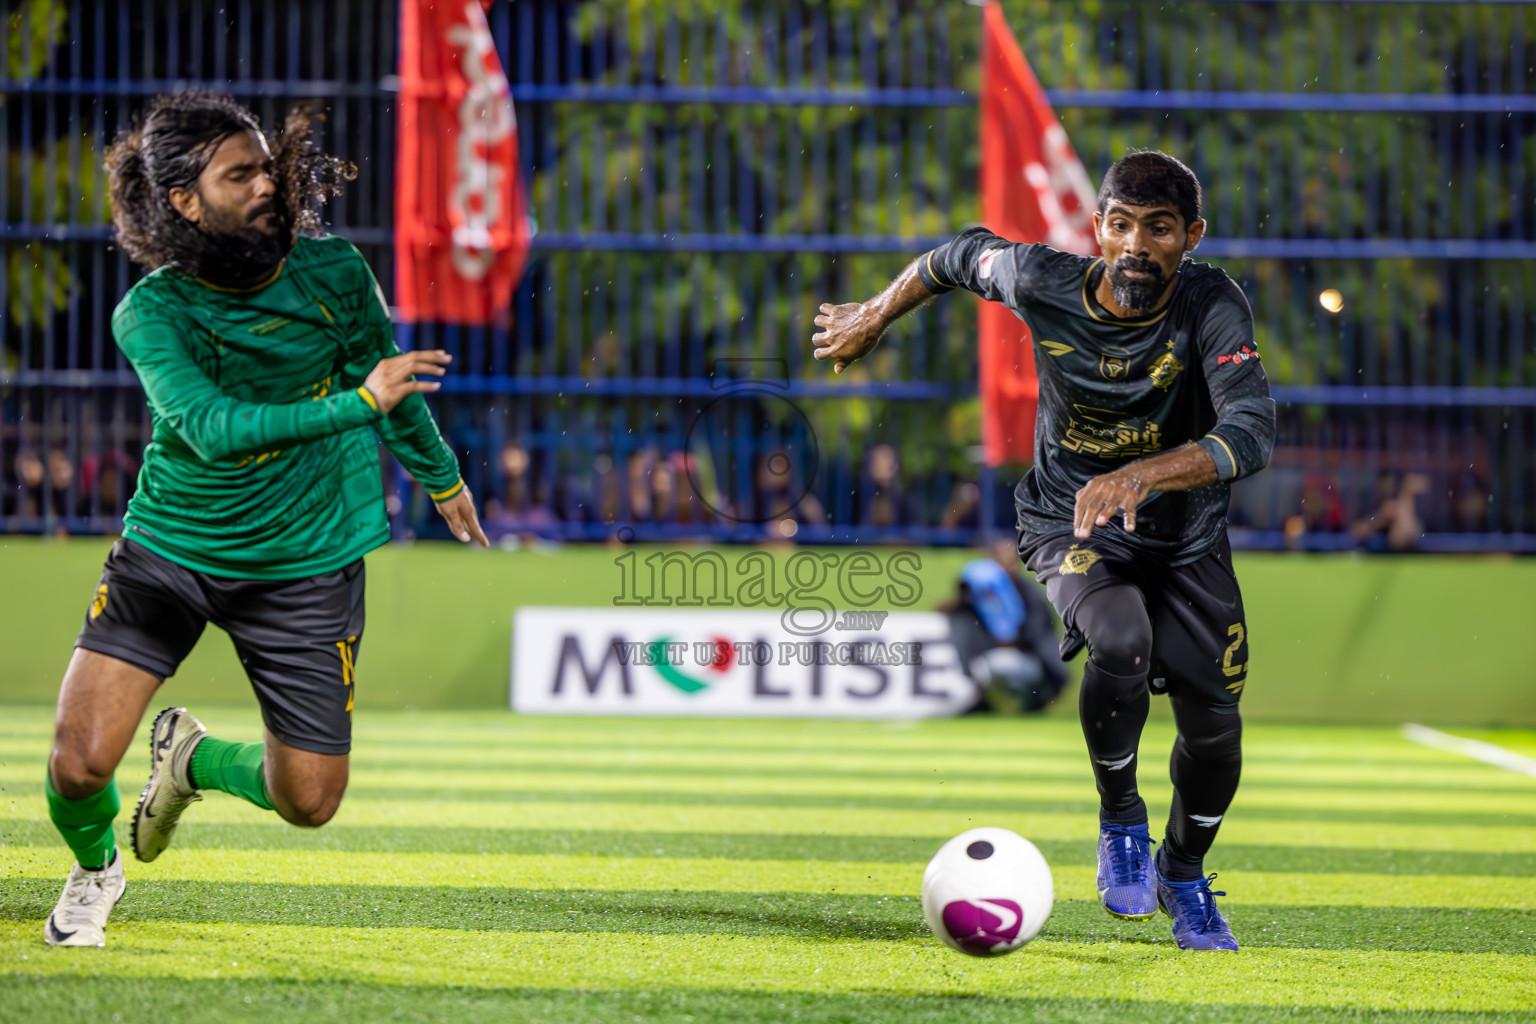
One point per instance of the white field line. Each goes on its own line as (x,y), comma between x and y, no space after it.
(1488,753)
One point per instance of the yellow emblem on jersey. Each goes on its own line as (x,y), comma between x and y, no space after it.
(100,604)
(1078,561)
(1164,368)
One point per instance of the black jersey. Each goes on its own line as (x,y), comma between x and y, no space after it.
(1114,390)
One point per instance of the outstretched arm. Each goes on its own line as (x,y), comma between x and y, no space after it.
(852,330)
(975,259)
(217,427)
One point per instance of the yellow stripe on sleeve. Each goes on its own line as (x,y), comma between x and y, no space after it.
(450,492)
(1227,448)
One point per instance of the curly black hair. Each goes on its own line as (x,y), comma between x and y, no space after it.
(172,145)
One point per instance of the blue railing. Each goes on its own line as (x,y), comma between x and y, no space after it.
(700,184)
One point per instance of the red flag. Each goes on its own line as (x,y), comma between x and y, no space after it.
(1033,189)
(461,227)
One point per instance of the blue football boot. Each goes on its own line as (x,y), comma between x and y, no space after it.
(1125,872)
(1197,924)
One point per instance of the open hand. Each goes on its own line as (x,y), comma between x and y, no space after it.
(392,379)
(459,511)
(849,332)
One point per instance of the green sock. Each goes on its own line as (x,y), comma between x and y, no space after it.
(233,768)
(86,825)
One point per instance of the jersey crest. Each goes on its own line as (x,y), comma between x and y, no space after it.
(1164,369)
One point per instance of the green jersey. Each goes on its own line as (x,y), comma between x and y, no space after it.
(263,462)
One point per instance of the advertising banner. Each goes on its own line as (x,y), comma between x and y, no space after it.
(1033,189)
(734,663)
(461,229)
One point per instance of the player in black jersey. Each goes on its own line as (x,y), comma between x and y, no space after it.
(1152,400)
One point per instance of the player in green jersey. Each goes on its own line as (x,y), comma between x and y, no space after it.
(266,353)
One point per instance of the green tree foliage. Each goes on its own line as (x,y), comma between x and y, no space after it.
(48,180)
(784,169)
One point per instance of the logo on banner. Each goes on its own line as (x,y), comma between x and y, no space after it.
(668,669)
(1063,192)
(732,662)
(486,119)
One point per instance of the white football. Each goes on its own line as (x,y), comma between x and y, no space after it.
(987,892)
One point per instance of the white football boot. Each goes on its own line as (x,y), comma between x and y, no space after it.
(169,791)
(80,919)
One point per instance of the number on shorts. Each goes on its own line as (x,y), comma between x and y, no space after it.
(1227,668)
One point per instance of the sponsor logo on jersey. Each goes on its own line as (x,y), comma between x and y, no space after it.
(1078,561)
(1242,355)
(1056,348)
(1113,367)
(1099,433)
(984,265)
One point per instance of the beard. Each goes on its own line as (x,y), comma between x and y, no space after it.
(231,251)
(1137,294)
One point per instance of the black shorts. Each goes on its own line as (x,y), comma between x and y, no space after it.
(1199,633)
(297,639)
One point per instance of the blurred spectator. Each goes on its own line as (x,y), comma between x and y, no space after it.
(1469,509)
(964,508)
(641,486)
(677,500)
(521,504)
(37,475)
(1322,510)
(106,482)
(1396,525)
(29,477)
(61,474)
(1004,634)
(782,500)
(885,503)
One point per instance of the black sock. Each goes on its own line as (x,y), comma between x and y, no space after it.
(1114,710)
(1207,761)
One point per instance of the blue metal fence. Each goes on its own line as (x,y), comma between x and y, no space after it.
(703,175)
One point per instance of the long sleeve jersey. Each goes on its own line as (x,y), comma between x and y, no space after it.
(1114,390)
(263,462)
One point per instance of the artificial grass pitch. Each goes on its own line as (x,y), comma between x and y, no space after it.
(489,867)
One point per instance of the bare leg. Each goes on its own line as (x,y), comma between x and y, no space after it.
(305,787)
(101,704)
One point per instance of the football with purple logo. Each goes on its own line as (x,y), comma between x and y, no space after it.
(987,892)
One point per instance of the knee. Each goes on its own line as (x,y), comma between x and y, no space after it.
(1125,650)
(310,808)
(1115,625)
(79,772)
